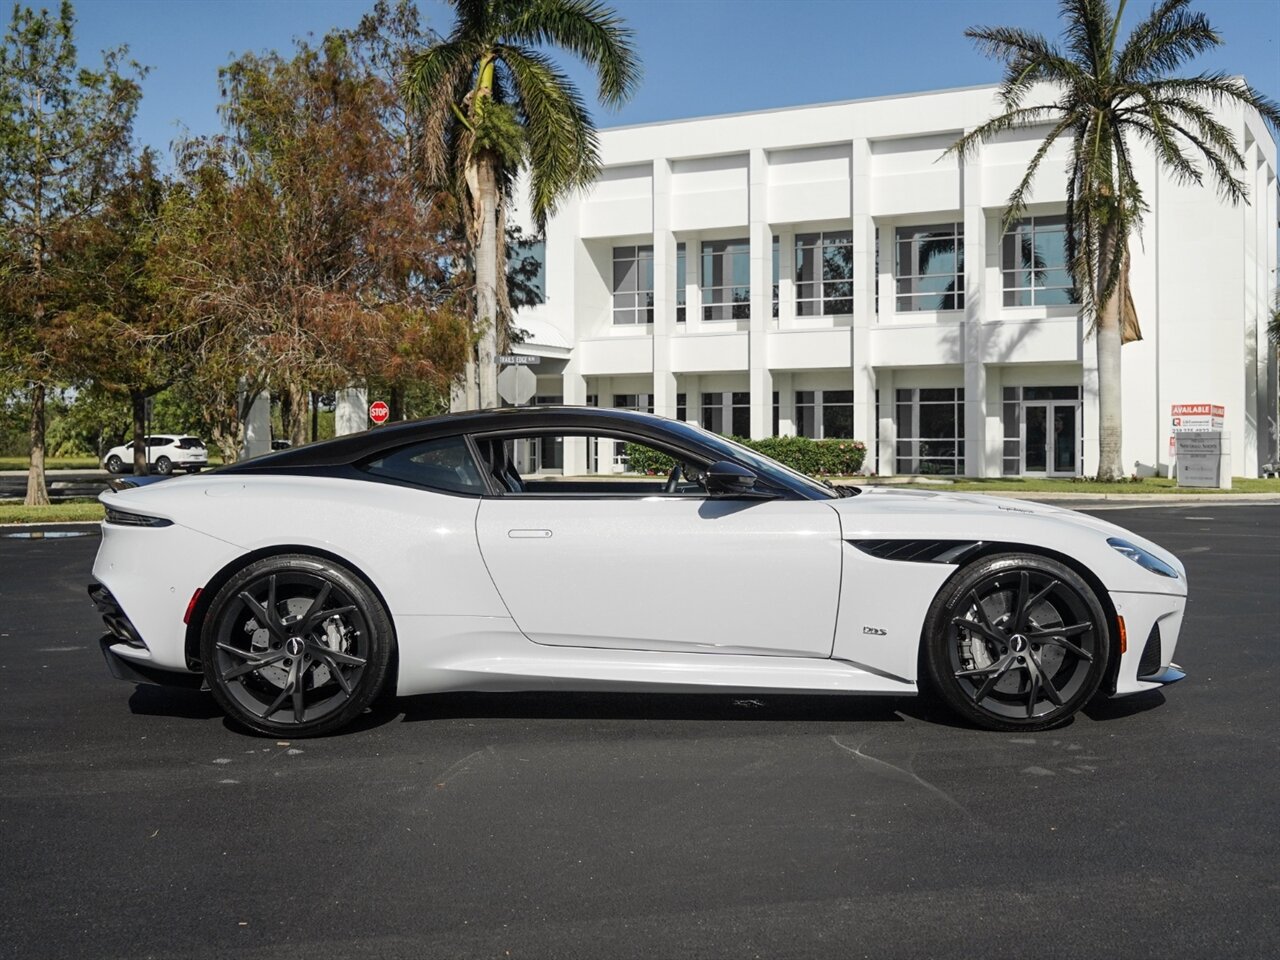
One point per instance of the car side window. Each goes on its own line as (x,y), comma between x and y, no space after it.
(444,464)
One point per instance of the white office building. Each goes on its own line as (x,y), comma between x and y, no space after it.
(830,271)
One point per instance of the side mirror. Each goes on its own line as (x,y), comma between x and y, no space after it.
(726,478)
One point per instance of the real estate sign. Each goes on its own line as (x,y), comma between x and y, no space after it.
(1196,417)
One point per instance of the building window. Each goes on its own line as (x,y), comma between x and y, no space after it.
(930,426)
(824,414)
(777,273)
(929,267)
(526,270)
(824,274)
(728,414)
(682,407)
(633,401)
(682,275)
(726,280)
(1033,259)
(633,284)
(1021,430)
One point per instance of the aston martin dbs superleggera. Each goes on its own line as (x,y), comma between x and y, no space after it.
(506,550)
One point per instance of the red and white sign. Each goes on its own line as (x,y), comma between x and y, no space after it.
(379,411)
(1196,417)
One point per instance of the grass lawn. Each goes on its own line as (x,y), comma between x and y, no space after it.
(1033,485)
(51,463)
(54,513)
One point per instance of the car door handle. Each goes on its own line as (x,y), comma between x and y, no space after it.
(528,534)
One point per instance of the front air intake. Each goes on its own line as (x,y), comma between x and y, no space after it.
(1149,664)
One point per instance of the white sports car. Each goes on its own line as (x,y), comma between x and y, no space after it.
(416,558)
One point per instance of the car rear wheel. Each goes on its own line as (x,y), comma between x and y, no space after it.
(296,646)
(164,466)
(1016,642)
(114,464)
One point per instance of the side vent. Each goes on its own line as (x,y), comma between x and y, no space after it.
(1149,664)
(919,551)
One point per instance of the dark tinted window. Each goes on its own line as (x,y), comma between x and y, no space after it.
(191,443)
(444,464)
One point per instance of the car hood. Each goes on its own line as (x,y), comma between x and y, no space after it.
(890,512)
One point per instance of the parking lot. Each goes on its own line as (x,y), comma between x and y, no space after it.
(136,823)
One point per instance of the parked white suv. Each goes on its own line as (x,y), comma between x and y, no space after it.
(165,453)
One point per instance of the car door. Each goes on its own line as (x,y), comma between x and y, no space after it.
(687,573)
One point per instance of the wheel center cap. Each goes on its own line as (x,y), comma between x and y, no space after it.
(1018,643)
(294,646)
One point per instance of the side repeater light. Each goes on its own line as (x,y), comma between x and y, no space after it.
(191,606)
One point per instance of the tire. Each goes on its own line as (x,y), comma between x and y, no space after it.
(164,466)
(1016,642)
(114,464)
(282,665)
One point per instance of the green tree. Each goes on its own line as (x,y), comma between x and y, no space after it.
(302,239)
(491,101)
(64,136)
(1107,98)
(121,336)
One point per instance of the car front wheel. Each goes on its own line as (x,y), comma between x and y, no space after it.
(296,646)
(114,464)
(1016,642)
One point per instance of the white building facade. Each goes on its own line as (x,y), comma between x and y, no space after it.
(831,271)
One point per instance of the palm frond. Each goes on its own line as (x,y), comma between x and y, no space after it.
(562,148)
(589,30)
(1017,202)
(1088,23)
(433,84)
(1012,120)
(1168,38)
(1218,88)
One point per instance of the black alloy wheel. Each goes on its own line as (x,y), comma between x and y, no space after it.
(296,646)
(1017,642)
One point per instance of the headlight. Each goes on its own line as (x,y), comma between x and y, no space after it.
(1142,558)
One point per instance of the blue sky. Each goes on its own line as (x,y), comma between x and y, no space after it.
(700,56)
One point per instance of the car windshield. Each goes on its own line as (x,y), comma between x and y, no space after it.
(765,466)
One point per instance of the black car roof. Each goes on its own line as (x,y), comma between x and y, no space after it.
(360,446)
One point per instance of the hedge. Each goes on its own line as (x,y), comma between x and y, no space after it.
(817,458)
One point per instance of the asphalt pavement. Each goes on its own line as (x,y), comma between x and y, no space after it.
(135,822)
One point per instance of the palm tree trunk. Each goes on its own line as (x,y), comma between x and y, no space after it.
(37,492)
(487,267)
(1109,334)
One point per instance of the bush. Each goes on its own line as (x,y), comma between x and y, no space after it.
(817,458)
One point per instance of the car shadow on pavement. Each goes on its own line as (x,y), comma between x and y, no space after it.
(648,706)
(150,700)
(1101,710)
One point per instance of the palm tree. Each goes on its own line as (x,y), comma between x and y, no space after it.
(1109,98)
(490,101)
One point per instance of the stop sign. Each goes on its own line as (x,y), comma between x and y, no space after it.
(379,411)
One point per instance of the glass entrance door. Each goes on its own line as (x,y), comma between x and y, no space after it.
(1051,439)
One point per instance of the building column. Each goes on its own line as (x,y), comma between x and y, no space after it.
(351,413)
(786,279)
(783,382)
(975,295)
(574,389)
(865,425)
(692,398)
(664,291)
(994,403)
(886,435)
(257,425)
(759,379)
